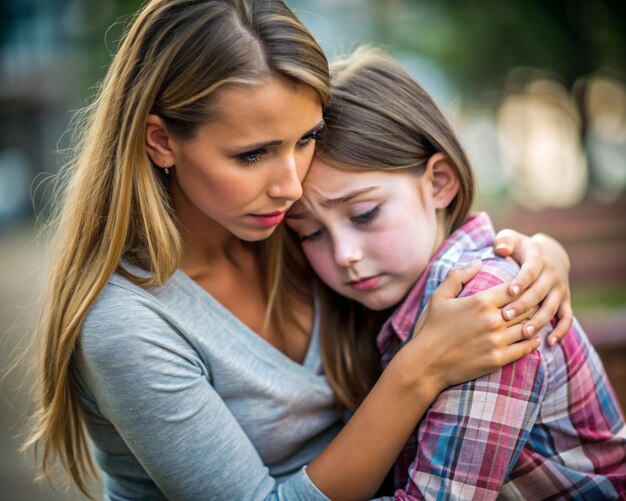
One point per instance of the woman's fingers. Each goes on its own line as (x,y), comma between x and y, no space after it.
(537,293)
(519,350)
(510,335)
(543,278)
(566,319)
(497,296)
(506,242)
(545,314)
(507,346)
(522,317)
(526,252)
(528,273)
(453,284)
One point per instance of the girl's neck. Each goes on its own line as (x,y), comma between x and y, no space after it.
(442,231)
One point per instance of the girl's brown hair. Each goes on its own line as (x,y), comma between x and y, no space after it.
(379,118)
(114,203)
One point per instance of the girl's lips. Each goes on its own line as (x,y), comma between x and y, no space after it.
(365,283)
(269,220)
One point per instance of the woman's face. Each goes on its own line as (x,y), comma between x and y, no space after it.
(367,234)
(244,169)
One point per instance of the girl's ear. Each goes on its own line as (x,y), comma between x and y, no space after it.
(445,182)
(158,142)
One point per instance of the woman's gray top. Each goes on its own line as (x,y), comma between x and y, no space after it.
(183,401)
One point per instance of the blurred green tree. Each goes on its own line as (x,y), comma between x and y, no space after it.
(477,42)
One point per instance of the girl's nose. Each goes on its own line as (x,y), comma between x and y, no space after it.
(347,250)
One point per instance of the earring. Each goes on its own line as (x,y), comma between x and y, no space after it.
(167,171)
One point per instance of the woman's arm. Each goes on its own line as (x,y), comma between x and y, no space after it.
(543,277)
(463,339)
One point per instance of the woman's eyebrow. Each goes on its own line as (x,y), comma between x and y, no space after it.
(266,144)
(257,146)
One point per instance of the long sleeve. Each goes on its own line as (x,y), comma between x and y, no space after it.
(545,427)
(472,435)
(148,383)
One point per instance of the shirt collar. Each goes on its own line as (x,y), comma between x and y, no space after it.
(475,233)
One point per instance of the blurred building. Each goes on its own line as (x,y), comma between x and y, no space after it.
(35,90)
(536,89)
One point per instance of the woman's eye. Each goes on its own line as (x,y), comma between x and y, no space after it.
(313,136)
(366,217)
(250,157)
(305,141)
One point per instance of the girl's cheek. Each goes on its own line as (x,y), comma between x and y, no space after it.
(323,265)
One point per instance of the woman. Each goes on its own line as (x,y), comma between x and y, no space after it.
(171,332)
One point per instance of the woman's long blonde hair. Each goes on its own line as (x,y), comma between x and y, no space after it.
(378,118)
(114,203)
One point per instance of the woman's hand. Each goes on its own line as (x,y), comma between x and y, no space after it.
(461,339)
(543,278)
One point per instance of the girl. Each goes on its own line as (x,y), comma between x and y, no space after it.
(171,333)
(384,218)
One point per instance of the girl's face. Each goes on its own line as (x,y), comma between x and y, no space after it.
(245,169)
(368,234)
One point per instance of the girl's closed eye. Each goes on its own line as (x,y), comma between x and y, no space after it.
(310,236)
(367,217)
(304,228)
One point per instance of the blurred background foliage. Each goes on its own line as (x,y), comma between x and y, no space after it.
(535,88)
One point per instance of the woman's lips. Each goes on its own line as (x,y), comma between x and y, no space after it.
(269,220)
(364,284)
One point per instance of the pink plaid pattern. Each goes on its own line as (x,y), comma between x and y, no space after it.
(545,427)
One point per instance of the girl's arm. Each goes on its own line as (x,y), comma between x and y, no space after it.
(473,433)
(462,340)
(544,277)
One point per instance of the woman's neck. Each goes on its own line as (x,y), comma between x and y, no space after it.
(208,250)
(206,243)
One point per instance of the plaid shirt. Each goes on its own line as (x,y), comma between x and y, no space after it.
(545,427)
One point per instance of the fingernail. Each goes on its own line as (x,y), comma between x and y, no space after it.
(515,288)
(509,314)
(502,246)
(530,330)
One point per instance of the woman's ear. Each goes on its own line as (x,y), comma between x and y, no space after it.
(158,142)
(445,182)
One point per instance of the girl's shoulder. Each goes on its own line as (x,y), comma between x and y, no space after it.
(495,270)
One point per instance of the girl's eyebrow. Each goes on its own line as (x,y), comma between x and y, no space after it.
(332,202)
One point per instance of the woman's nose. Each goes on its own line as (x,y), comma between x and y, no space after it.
(287,183)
